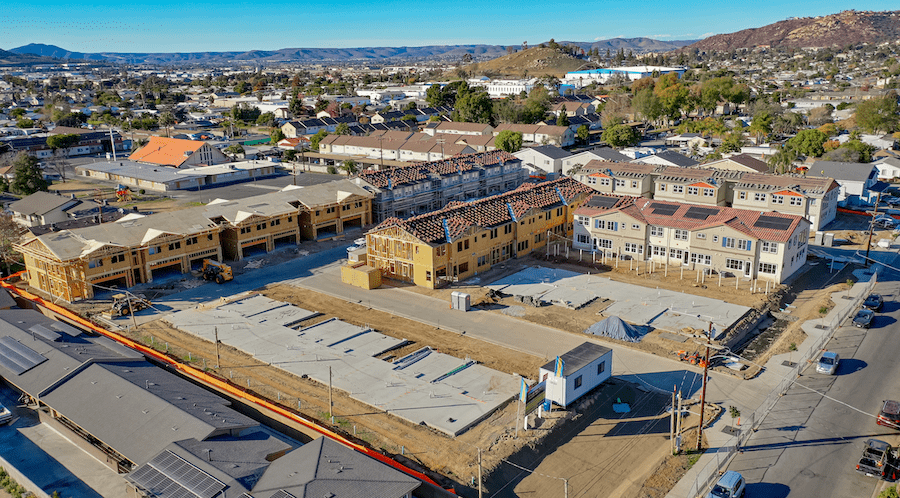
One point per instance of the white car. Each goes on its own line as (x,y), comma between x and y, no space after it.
(5,414)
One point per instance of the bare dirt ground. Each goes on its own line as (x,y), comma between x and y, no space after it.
(147,202)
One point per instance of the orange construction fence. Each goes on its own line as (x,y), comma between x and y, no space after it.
(210,379)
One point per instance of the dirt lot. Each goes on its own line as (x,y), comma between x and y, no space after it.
(148,202)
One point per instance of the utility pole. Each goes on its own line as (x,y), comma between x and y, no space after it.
(703,390)
(216,331)
(331,396)
(480,490)
(872,228)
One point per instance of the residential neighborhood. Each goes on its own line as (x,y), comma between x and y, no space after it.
(635,267)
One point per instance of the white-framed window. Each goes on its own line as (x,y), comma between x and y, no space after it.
(662,187)
(734,264)
(728,242)
(812,202)
(681,234)
(742,195)
(657,231)
(603,243)
(759,197)
(701,235)
(604,181)
(693,190)
(796,201)
(658,250)
(715,238)
(634,184)
(620,183)
(708,192)
(743,245)
(768,268)
(583,239)
(701,259)
(766,246)
(676,253)
(606,225)
(677,189)
(592,180)
(777,199)
(634,248)
(635,226)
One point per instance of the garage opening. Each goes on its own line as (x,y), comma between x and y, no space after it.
(103,287)
(353,223)
(171,270)
(327,231)
(286,241)
(257,249)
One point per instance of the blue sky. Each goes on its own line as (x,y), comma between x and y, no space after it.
(226,25)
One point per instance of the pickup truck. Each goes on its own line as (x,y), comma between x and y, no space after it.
(878,460)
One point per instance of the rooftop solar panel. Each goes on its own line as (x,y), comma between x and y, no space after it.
(282,494)
(18,354)
(700,213)
(603,202)
(773,222)
(9,365)
(663,209)
(167,475)
(65,328)
(45,332)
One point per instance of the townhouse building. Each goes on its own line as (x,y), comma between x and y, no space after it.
(815,198)
(68,264)
(405,191)
(749,244)
(561,136)
(457,242)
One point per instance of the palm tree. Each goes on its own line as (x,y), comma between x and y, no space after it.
(349,167)
(166,119)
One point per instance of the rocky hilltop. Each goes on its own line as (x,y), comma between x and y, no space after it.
(846,28)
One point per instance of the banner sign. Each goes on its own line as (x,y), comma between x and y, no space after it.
(535,397)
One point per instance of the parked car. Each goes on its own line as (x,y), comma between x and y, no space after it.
(5,414)
(873,302)
(863,318)
(828,363)
(730,485)
(889,416)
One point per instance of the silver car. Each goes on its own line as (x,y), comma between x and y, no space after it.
(828,363)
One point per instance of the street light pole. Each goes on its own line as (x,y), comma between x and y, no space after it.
(872,228)
(703,390)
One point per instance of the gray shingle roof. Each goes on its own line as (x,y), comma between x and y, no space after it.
(552,151)
(858,172)
(40,203)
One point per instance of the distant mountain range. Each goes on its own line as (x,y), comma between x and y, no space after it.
(312,55)
(845,28)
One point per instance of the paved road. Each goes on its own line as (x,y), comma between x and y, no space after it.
(809,444)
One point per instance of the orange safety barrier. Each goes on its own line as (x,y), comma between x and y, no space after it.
(211,379)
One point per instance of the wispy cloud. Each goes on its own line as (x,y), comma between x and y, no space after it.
(707,35)
(660,36)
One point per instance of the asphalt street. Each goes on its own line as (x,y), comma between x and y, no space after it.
(809,444)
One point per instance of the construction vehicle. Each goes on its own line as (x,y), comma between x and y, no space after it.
(124,304)
(879,459)
(215,271)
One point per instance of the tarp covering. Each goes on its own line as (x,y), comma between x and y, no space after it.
(615,328)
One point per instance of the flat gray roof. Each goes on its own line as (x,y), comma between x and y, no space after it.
(578,357)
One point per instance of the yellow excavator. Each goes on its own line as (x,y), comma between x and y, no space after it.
(124,304)
(214,271)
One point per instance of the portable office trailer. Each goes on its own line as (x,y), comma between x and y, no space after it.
(584,368)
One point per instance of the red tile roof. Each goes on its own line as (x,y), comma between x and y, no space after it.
(410,174)
(489,212)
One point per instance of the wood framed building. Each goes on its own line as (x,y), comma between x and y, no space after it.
(463,239)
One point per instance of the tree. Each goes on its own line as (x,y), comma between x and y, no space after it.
(474,107)
(315,139)
(821,115)
(342,129)
(290,155)
(276,136)
(25,123)
(295,106)
(510,141)
(62,142)
(761,126)
(878,115)
(349,167)
(620,135)
(242,87)
(166,119)
(782,160)
(788,122)
(583,133)
(266,119)
(647,104)
(10,233)
(321,105)
(808,143)
(732,142)
(28,175)
(562,119)
(234,150)
(410,106)
(434,95)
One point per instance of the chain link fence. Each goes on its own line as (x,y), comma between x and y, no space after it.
(710,472)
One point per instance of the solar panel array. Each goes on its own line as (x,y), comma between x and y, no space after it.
(664,209)
(602,202)
(282,494)
(45,332)
(65,328)
(773,222)
(700,213)
(17,357)
(169,476)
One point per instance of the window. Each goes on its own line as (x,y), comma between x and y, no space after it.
(464,267)
(657,231)
(508,228)
(601,367)
(482,260)
(577,382)
(743,245)
(635,226)
(154,250)
(620,183)
(662,187)
(777,199)
(634,248)
(796,201)
(676,253)
(275,222)
(246,230)
(708,192)
(603,243)
(734,264)
(701,259)
(728,242)
(677,189)
(190,241)
(681,234)
(606,225)
(759,197)
(768,268)
(715,238)
(118,258)
(812,202)
(95,263)
(537,238)
(742,195)
(583,239)
(693,190)
(771,247)
(701,236)
(604,181)
(633,183)
(658,250)
(174,245)
(261,226)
